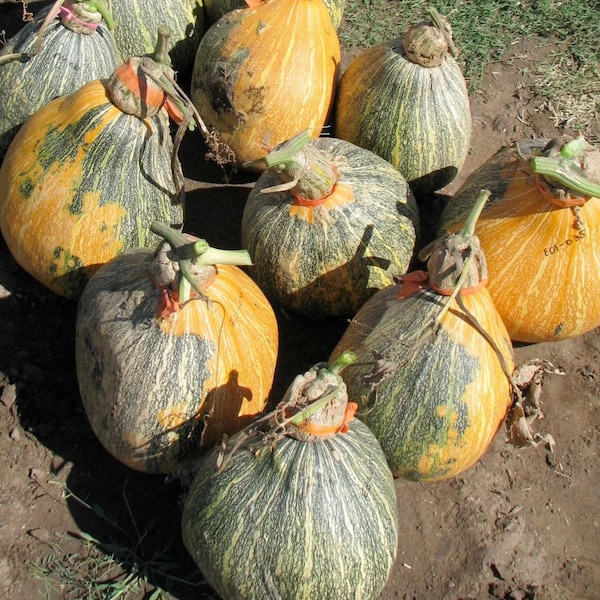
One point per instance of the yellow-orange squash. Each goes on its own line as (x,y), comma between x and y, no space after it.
(541,240)
(162,377)
(263,74)
(82,179)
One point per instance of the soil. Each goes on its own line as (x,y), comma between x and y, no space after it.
(522,524)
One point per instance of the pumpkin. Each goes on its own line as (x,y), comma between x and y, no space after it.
(215,9)
(172,351)
(434,364)
(83,176)
(136,23)
(327,225)
(406,100)
(542,230)
(76,47)
(300,505)
(263,74)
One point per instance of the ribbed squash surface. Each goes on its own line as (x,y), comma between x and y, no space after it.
(329,259)
(417,118)
(157,390)
(308,520)
(67,61)
(81,183)
(440,398)
(543,260)
(137,23)
(263,74)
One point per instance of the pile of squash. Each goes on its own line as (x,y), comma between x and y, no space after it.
(177,342)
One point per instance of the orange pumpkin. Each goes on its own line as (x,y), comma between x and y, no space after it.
(541,238)
(265,73)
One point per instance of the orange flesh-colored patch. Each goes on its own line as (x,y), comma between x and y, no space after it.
(236,384)
(91,236)
(304,209)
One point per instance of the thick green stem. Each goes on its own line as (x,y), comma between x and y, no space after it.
(100,7)
(468,228)
(198,253)
(161,50)
(347,357)
(285,155)
(564,170)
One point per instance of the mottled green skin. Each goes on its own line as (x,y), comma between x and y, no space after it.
(331,266)
(306,520)
(67,61)
(215,9)
(137,23)
(415,399)
(127,368)
(415,117)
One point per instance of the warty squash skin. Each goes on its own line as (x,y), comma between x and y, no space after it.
(543,259)
(67,60)
(263,74)
(433,387)
(157,390)
(416,117)
(215,9)
(327,257)
(136,23)
(290,518)
(79,185)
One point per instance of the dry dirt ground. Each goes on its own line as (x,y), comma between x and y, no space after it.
(522,524)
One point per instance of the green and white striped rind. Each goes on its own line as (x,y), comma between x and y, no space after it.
(417,118)
(331,266)
(67,61)
(215,9)
(306,520)
(137,23)
(438,400)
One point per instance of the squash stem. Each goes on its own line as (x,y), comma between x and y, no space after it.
(347,357)
(161,50)
(441,24)
(563,170)
(284,155)
(100,7)
(468,228)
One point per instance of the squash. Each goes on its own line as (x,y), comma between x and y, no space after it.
(83,176)
(541,236)
(165,370)
(300,505)
(340,227)
(72,52)
(263,74)
(407,101)
(434,364)
(215,9)
(136,23)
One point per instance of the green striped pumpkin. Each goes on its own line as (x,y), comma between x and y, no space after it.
(162,376)
(67,60)
(433,388)
(327,255)
(417,117)
(81,182)
(137,21)
(300,519)
(215,9)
